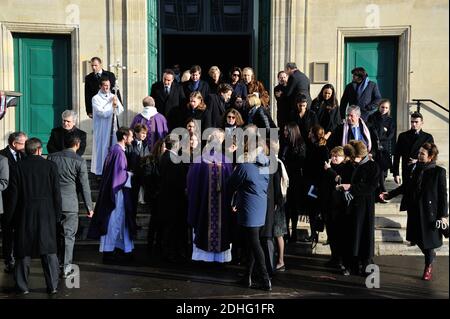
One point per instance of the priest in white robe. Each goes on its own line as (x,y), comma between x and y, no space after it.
(103,105)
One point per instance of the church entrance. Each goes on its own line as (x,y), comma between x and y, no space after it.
(224,33)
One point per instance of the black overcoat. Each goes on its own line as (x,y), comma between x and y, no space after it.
(34,208)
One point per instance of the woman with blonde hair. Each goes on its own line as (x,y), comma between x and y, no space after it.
(196,109)
(214,79)
(256,114)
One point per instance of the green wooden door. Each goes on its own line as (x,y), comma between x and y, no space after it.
(153,43)
(379,57)
(42,74)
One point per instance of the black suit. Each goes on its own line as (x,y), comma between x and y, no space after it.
(56,140)
(408,144)
(7,230)
(168,104)
(92,85)
(298,83)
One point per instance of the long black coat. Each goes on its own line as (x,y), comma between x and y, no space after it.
(425,202)
(217,108)
(56,140)
(362,208)
(168,104)
(283,107)
(306,122)
(384,128)
(34,207)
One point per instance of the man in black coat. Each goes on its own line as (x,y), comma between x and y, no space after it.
(361,92)
(92,83)
(14,152)
(34,210)
(218,103)
(58,134)
(283,108)
(407,147)
(169,97)
(298,83)
(195,84)
(172,203)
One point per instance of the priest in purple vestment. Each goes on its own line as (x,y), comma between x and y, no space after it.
(209,209)
(156,122)
(113,221)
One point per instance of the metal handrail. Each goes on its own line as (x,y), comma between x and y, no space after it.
(419,101)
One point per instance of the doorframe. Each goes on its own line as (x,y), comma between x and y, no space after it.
(403,33)
(7,61)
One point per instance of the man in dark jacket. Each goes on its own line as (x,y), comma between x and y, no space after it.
(195,84)
(407,147)
(298,83)
(362,92)
(72,171)
(92,83)
(34,210)
(283,108)
(58,134)
(168,96)
(14,152)
(218,103)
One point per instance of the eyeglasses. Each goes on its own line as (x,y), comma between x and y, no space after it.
(236,74)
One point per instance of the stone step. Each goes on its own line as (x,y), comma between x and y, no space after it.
(390,220)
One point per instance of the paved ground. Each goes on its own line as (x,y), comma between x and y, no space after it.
(306,277)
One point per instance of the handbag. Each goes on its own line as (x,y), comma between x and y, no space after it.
(442,227)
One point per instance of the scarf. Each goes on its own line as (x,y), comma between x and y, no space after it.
(362,86)
(418,170)
(148,112)
(365,132)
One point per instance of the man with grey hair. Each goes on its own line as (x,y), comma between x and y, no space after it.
(354,128)
(14,152)
(58,134)
(298,83)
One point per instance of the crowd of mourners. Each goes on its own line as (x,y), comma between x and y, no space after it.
(222,181)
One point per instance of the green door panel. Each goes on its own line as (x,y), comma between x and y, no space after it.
(379,57)
(42,69)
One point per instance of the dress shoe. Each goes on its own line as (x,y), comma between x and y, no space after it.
(22,293)
(265,285)
(52,292)
(427,273)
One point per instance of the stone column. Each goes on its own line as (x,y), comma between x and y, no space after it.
(137,63)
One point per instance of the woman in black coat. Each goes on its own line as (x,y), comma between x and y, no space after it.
(316,156)
(383,125)
(304,117)
(326,106)
(425,200)
(292,154)
(196,109)
(362,207)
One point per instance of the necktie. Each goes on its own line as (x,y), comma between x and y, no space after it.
(167,90)
(355,135)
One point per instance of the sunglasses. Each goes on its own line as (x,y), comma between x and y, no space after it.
(231,117)
(235,74)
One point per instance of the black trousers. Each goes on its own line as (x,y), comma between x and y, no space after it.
(430,255)
(269,250)
(7,242)
(255,254)
(50,267)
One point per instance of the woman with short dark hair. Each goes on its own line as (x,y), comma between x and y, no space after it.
(425,200)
